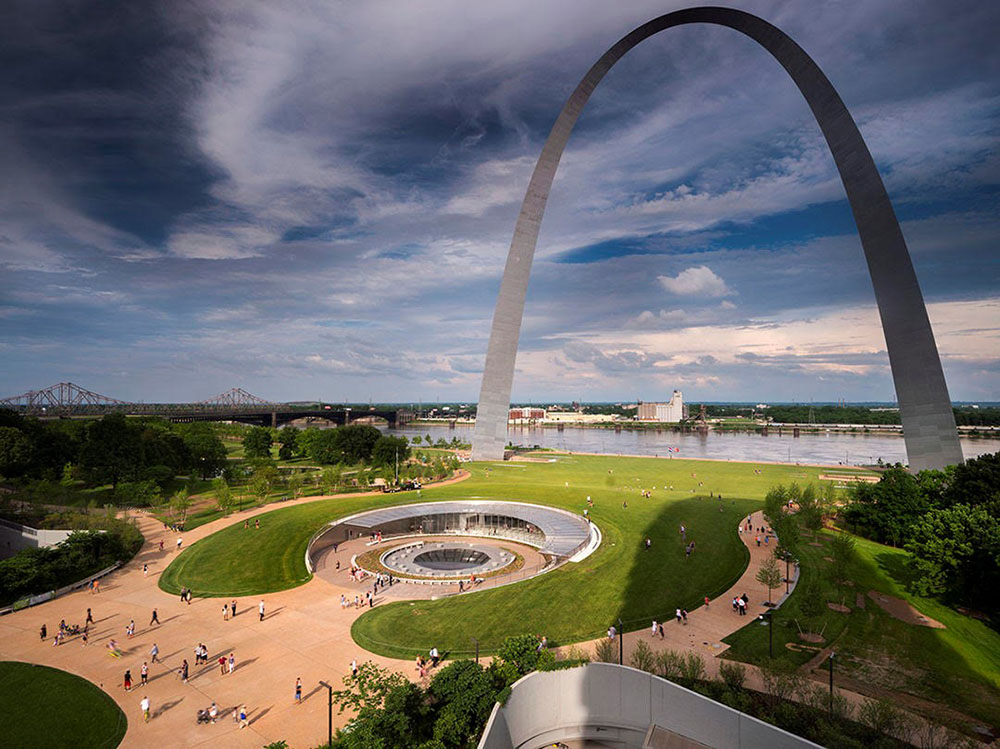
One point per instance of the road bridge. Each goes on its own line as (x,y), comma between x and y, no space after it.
(66,400)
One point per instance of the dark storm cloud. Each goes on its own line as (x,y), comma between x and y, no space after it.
(316,199)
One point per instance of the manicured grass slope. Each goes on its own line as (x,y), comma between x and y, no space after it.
(47,708)
(957,666)
(573,603)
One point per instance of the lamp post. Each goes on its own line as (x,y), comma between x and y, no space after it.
(830,659)
(621,643)
(330,713)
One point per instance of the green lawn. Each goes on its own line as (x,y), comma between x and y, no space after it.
(47,708)
(958,666)
(573,603)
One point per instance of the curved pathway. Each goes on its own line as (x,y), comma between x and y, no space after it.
(305,633)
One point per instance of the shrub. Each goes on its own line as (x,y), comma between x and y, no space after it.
(692,667)
(882,716)
(733,674)
(643,657)
(669,665)
(606,651)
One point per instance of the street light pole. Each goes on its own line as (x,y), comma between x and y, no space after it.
(832,654)
(770,630)
(329,714)
(621,643)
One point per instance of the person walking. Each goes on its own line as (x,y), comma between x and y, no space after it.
(260,609)
(655,628)
(243,716)
(298,691)
(153,652)
(233,607)
(684,615)
(678,615)
(661,630)
(183,672)
(434,657)
(184,592)
(154,619)
(43,633)
(354,668)
(144,673)
(145,570)
(213,712)
(222,665)
(161,545)
(144,706)
(232,662)
(127,681)
(179,542)
(90,617)
(225,612)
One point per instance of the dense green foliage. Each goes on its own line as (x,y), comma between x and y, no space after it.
(392,712)
(257,443)
(109,450)
(85,552)
(958,666)
(349,444)
(389,451)
(45,707)
(948,520)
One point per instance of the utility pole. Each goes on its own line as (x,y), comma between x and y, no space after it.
(477,649)
(329,714)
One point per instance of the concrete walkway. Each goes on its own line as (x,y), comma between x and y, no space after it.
(305,633)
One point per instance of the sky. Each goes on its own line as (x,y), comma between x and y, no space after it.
(314,200)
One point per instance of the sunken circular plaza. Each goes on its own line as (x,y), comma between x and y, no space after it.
(446,559)
(418,544)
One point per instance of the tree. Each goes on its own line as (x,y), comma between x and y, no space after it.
(208,454)
(223,495)
(180,503)
(330,479)
(975,482)
(885,511)
(389,450)
(356,442)
(16,451)
(956,551)
(294,483)
(138,493)
(262,481)
(769,575)
(111,450)
(257,443)
(843,552)
(520,655)
(466,693)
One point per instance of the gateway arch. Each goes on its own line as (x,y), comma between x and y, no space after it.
(924,404)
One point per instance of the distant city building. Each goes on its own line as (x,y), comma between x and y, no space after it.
(525,415)
(572,417)
(671,412)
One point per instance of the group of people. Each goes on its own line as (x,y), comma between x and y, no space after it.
(740,604)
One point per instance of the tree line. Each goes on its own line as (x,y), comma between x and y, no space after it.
(948,521)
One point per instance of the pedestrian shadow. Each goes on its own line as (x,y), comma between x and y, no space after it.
(259,715)
(169,619)
(273,613)
(167,706)
(241,664)
(162,659)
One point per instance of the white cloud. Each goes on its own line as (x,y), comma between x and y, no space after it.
(699,280)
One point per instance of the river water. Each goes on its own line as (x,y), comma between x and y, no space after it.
(822,448)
